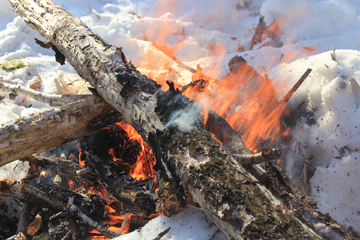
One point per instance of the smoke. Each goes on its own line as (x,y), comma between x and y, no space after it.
(185,118)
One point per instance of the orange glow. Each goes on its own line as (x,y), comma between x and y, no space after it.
(213,135)
(81,162)
(116,220)
(142,168)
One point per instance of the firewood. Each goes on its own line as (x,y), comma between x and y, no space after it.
(52,100)
(30,134)
(239,205)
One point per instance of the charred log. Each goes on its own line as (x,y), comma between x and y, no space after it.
(135,195)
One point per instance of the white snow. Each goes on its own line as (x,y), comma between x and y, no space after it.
(213,32)
(190,223)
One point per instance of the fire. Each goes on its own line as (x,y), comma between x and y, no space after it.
(142,168)
(246,99)
(81,162)
(116,222)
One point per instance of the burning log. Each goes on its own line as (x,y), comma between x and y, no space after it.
(239,205)
(27,135)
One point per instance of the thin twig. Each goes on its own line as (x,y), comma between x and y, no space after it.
(333,56)
(296,86)
(267,154)
(67,235)
(123,224)
(160,235)
(53,100)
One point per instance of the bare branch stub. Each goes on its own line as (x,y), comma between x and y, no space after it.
(267,154)
(296,86)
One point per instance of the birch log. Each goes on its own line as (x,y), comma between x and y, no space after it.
(42,131)
(238,204)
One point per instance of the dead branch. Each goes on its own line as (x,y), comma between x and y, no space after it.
(52,100)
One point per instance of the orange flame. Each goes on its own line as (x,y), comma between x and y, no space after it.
(116,220)
(81,162)
(247,100)
(142,168)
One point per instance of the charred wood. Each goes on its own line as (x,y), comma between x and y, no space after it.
(65,168)
(135,195)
